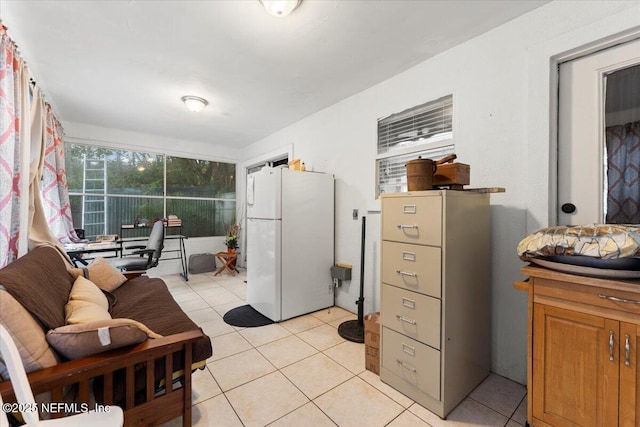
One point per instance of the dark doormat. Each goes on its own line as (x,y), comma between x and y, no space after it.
(246,316)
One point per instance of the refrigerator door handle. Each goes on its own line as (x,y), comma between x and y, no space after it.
(251,187)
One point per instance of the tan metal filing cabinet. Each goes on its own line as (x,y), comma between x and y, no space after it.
(435,304)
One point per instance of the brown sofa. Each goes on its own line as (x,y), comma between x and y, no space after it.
(33,293)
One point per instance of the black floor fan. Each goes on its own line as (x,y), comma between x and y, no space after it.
(353,330)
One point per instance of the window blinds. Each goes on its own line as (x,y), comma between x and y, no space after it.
(429,122)
(425,130)
(392,174)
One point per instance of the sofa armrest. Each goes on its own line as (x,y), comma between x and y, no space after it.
(80,371)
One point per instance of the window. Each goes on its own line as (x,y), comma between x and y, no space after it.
(425,130)
(108,188)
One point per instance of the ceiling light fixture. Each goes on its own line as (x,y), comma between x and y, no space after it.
(195,103)
(280,8)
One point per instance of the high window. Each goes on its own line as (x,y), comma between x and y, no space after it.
(109,188)
(425,130)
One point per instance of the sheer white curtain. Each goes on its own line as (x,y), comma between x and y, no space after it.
(26,132)
(54,189)
(14,102)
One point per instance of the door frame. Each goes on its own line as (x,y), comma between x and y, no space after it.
(242,169)
(600,123)
(555,61)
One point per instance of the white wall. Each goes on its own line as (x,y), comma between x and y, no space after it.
(502,85)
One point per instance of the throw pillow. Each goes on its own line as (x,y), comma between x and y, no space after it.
(40,283)
(27,334)
(76,341)
(103,274)
(86,303)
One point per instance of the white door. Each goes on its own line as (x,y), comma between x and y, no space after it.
(582,164)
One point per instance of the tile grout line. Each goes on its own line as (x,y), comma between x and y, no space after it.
(317,351)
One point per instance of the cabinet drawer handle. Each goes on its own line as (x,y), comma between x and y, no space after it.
(406,366)
(409,303)
(627,350)
(406,273)
(408,256)
(405,320)
(411,351)
(409,209)
(611,345)
(617,299)
(403,226)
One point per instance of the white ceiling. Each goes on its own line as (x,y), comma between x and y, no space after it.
(125,64)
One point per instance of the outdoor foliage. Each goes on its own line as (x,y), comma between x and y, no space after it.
(102,182)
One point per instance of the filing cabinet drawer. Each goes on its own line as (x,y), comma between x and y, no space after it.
(409,313)
(412,219)
(414,267)
(418,365)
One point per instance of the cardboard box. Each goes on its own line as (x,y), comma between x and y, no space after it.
(452,174)
(295,165)
(372,359)
(372,330)
(372,342)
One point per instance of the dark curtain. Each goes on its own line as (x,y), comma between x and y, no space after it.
(623,173)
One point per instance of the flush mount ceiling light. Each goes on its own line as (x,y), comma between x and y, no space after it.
(280,8)
(194,103)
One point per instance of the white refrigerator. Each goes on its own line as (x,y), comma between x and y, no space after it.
(290,242)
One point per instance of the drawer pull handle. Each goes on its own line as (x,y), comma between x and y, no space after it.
(617,299)
(409,209)
(409,256)
(411,351)
(611,346)
(405,320)
(409,303)
(406,366)
(406,273)
(627,350)
(403,226)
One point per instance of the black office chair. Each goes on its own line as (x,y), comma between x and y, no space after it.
(79,233)
(149,254)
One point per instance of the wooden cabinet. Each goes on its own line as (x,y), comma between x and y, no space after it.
(582,352)
(435,297)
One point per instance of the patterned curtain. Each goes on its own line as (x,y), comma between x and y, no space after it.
(55,193)
(623,173)
(11,67)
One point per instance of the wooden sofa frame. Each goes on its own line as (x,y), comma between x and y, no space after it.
(157,407)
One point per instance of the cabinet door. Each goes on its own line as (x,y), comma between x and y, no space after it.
(576,362)
(629,380)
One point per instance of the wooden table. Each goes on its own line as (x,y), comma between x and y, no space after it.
(228,262)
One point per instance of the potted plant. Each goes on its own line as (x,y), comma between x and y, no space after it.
(232,238)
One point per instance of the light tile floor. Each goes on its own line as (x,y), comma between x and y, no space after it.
(301,372)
